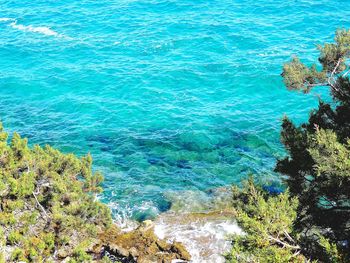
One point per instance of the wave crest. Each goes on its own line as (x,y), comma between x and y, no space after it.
(40,29)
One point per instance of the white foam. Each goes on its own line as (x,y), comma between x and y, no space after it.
(122,217)
(6,19)
(40,29)
(205,240)
(47,31)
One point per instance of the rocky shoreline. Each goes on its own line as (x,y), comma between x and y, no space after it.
(140,245)
(171,238)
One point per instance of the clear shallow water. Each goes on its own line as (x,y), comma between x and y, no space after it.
(170,97)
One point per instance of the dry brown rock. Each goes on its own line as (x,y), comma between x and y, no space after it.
(140,245)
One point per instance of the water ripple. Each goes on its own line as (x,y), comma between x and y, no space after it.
(167,95)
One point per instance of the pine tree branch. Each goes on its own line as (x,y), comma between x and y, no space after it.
(288,236)
(336,67)
(40,206)
(283,243)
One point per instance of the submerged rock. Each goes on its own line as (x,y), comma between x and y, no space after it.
(183,164)
(140,245)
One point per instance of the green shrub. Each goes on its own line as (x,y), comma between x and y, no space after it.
(311,220)
(267,222)
(18,255)
(48,201)
(14,237)
(318,164)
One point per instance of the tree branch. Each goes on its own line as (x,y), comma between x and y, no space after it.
(336,67)
(331,79)
(40,206)
(283,243)
(288,236)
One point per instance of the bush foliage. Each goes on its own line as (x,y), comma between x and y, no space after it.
(48,208)
(268,225)
(317,169)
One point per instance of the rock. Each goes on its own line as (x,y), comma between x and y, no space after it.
(64,252)
(119,250)
(146,225)
(145,260)
(180,250)
(141,245)
(183,164)
(134,252)
(163,245)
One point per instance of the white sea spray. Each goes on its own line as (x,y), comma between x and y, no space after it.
(204,238)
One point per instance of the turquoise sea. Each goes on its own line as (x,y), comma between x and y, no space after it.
(171,97)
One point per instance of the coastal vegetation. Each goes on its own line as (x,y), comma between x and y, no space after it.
(311,220)
(49,212)
(48,203)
